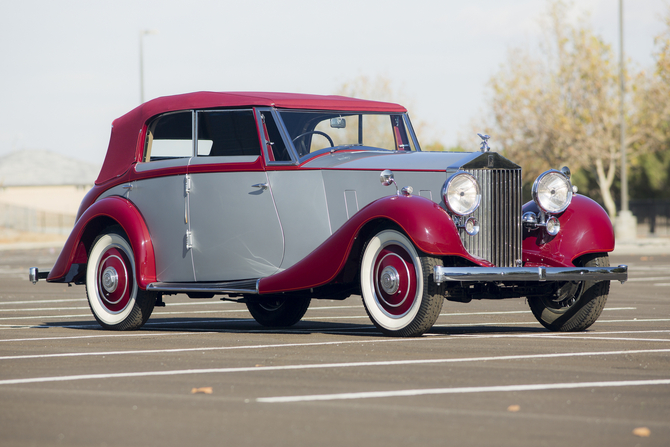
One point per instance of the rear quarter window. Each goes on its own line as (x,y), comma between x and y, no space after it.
(169,136)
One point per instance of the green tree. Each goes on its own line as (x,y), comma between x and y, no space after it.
(560,105)
(650,122)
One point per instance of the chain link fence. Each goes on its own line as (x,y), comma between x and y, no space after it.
(35,221)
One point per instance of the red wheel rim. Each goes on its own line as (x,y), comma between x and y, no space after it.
(394,280)
(114,279)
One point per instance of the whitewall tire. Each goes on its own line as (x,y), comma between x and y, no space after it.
(397,285)
(111,286)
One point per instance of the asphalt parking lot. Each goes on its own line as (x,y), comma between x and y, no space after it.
(202,372)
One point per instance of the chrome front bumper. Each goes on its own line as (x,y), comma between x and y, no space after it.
(519,274)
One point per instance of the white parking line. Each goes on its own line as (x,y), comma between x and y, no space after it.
(634,320)
(79,337)
(36,317)
(589,334)
(293,345)
(203,349)
(333,330)
(157,312)
(576,337)
(44,309)
(651,278)
(461,390)
(460,314)
(647,268)
(572,336)
(321,366)
(44,301)
(146,325)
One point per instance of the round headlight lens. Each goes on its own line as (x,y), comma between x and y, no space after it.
(552,191)
(461,193)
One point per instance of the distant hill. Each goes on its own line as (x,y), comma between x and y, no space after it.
(32,167)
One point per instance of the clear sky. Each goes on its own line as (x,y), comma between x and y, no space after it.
(68,68)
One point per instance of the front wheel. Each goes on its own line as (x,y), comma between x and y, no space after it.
(279,312)
(576,305)
(399,293)
(111,287)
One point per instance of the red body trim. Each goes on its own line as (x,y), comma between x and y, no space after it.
(585,228)
(227,167)
(125,214)
(428,226)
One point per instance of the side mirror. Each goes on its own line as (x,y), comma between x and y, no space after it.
(386,177)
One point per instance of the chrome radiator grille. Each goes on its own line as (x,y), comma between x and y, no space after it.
(499,217)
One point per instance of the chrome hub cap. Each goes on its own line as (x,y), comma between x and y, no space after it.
(110,279)
(390,280)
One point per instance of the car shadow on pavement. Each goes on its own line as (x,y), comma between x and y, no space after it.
(250,326)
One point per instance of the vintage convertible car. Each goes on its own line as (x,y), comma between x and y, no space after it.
(273,199)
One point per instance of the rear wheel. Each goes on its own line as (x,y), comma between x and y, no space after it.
(278,312)
(111,286)
(399,293)
(576,305)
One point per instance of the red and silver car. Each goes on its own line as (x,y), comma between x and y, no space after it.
(275,199)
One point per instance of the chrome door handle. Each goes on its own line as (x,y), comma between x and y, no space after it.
(262,186)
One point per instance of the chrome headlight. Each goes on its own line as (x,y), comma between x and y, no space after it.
(552,191)
(461,193)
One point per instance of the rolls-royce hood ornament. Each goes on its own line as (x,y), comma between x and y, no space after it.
(485,145)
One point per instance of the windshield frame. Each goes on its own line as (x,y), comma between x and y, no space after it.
(283,113)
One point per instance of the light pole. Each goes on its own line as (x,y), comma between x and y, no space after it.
(622,117)
(626,223)
(143,33)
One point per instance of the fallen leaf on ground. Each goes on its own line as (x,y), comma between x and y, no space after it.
(514,408)
(204,389)
(643,432)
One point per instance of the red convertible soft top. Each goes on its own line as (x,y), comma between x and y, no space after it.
(125,147)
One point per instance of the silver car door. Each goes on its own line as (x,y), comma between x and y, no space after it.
(234,222)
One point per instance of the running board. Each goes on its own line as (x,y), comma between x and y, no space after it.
(246,286)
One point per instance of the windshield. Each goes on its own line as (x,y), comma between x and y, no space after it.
(313,131)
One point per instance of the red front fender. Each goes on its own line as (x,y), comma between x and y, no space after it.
(585,228)
(110,209)
(425,223)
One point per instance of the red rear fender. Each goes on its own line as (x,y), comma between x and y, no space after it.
(103,213)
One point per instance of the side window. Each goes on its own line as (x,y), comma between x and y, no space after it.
(276,142)
(169,136)
(227,133)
